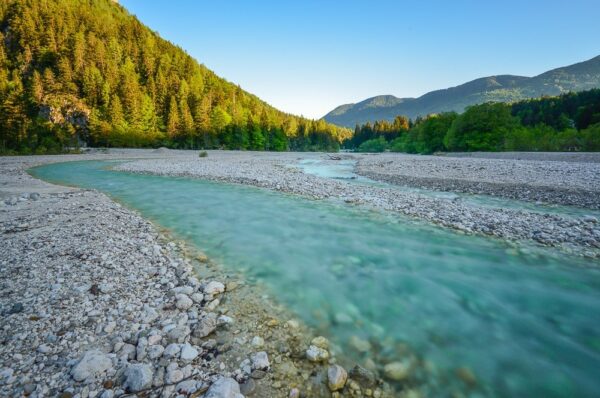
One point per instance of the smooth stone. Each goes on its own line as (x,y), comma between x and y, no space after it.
(92,364)
(214,287)
(320,342)
(397,371)
(316,354)
(248,387)
(336,377)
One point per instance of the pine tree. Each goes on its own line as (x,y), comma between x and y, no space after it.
(173,118)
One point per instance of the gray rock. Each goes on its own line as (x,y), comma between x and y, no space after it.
(141,349)
(183,302)
(225,387)
(172,350)
(260,360)
(188,353)
(92,364)
(178,334)
(206,325)
(155,351)
(138,377)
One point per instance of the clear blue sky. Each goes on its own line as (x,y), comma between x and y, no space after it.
(309,56)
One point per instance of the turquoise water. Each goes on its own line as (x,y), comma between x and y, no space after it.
(525,321)
(344,170)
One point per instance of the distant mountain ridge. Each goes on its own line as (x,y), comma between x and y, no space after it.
(502,88)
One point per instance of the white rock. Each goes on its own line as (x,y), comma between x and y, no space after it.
(155,351)
(197,298)
(316,354)
(92,364)
(214,287)
(183,302)
(225,387)
(257,342)
(188,353)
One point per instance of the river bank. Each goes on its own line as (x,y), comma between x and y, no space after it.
(97,302)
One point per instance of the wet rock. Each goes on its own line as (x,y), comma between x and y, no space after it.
(248,387)
(336,377)
(257,342)
(320,342)
(138,377)
(206,325)
(397,371)
(91,365)
(316,354)
(225,387)
(213,288)
(260,360)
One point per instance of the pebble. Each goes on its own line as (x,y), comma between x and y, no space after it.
(260,360)
(336,377)
(225,387)
(188,353)
(317,354)
(92,364)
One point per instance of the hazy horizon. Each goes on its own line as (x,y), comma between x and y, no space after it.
(309,58)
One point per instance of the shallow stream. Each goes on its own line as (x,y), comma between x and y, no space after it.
(465,313)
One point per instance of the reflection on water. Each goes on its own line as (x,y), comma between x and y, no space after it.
(463,313)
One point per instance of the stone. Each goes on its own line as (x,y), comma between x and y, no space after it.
(257,342)
(92,364)
(187,387)
(173,376)
(397,371)
(320,342)
(294,393)
(316,354)
(260,360)
(141,349)
(197,298)
(206,325)
(225,387)
(138,377)
(359,344)
(336,377)
(213,288)
(188,353)
(155,351)
(172,350)
(154,339)
(178,334)
(248,387)
(34,196)
(183,302)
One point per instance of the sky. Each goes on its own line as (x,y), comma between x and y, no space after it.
(307,57)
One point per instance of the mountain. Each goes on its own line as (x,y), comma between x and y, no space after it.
(88,72)
(502,88)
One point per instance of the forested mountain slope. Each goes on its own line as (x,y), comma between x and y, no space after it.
(88,72)
(503,88)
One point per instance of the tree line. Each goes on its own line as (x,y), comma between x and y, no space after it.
(569,122)
(80,72)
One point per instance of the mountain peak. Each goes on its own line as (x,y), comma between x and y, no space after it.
(501,88)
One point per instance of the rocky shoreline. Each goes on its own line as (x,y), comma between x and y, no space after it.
(96,302)
(535,177)
(579,236)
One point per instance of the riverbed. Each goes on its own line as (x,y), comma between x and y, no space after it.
(510,320)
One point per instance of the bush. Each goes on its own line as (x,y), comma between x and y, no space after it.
(203,154)
(374,145)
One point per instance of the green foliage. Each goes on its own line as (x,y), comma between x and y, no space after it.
(203,154)
(92,58)
(374,145)
(570,122)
